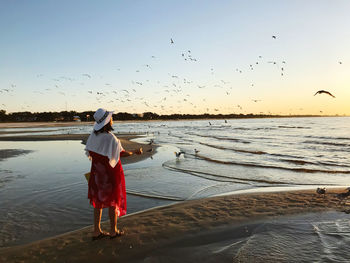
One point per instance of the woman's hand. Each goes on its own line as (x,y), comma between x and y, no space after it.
(138,151)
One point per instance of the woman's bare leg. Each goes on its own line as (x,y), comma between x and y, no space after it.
(112,220)
(97,221)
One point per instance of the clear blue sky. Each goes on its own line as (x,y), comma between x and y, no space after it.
(81,55)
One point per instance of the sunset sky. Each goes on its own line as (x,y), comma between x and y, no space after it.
(82,55)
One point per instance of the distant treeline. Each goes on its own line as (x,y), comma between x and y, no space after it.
(27,116)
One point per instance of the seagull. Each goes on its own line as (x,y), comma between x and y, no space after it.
(321,191)
(343,196)
(325,92)
(178,154)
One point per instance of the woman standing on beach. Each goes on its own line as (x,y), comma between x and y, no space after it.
(107,181)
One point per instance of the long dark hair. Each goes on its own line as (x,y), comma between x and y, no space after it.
(107,128)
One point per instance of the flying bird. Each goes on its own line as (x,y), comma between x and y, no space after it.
(171,41)
(274,37)
(325,92)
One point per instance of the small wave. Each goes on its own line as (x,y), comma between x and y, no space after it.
(285,155)
(333,164)
(241,128)
(263,128)
(327,137)
(255,152)
(302,170)
(328,143)
(171,198)
(299,162)
(221,178)
(232,149)
(220,138)
(302,162)
(293,127)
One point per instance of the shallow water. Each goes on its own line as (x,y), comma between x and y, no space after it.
(44,193)
(316,237)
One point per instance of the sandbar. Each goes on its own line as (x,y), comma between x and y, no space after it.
(154,228)
(148,150)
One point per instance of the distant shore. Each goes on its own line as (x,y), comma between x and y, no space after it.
(10,125)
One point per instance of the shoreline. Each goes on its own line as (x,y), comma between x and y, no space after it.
(153,228)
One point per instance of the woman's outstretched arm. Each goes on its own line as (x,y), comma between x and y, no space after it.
(128,153)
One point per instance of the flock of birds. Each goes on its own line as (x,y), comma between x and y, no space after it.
(170,97)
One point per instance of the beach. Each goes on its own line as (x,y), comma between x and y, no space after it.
(156,228)
(154,235)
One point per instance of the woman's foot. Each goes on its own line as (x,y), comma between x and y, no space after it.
(117,233)
(99,235)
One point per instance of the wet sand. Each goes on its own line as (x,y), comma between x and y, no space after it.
(156,228)
(8,153)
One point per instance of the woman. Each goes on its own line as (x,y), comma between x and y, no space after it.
(107,181)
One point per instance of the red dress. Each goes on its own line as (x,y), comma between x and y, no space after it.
(107,184)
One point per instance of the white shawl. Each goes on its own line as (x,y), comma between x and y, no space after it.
(106,144)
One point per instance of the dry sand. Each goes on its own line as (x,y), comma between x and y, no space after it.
(155,228)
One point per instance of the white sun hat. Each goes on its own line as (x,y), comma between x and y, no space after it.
(102,117)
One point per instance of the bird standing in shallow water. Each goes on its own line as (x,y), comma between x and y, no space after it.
(343,196)
(321,191)
(178,154)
